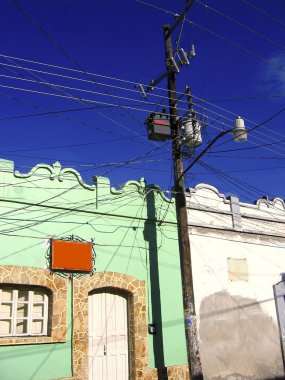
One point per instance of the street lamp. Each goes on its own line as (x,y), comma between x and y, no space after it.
(239,135)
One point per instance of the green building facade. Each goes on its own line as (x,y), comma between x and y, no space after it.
(49,319)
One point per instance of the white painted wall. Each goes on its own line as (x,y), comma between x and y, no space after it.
(238,327)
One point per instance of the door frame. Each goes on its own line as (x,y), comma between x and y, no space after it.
(123,294)
(82,287)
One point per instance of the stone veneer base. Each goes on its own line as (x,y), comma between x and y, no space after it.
(179,372)
(136,292)
(137,323)
(169,373)
(81,288)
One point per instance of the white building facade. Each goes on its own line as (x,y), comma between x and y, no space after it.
(238,263)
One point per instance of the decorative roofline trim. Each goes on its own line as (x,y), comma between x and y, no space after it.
(78,176)
(161,193)
(204,186)
(270,203)
(55,171)
(140,184)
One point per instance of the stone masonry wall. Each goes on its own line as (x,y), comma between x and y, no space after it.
(57,314)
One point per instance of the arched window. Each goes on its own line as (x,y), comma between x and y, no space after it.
(24,310)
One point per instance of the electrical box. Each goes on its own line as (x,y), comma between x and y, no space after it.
(158,126)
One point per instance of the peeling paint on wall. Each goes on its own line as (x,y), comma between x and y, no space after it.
(237,339)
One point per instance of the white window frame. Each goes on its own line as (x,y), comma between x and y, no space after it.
(30,318)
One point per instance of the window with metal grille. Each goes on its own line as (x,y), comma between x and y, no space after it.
(23,311)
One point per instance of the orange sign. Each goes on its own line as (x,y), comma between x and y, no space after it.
(71,256)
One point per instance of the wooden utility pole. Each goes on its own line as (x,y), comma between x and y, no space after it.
(195,369)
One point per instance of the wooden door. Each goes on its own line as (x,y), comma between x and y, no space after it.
(108,336)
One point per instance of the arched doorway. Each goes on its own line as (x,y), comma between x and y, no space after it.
(108,335)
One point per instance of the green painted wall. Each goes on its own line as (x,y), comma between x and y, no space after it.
(51,202)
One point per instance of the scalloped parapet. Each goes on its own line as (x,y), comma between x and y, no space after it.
(208,196)
(72,179)
(162,195)
(140,185)
(208,207)
(6,165)
(55,171)
(274,204)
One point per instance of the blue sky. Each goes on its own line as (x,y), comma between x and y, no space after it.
(239,69)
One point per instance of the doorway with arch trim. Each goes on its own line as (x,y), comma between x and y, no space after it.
(108,335)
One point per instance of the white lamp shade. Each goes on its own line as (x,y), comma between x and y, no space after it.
(239,131)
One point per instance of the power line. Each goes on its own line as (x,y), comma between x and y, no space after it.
(231,113)
(253,170)
(82,163)
(122,80)
(61,146)
(61,49)
(70,209)
(85,206)
(196,159)
(56,85)
(114,78)
(248,224)
(226,177)
(76,98)
(250,141)
(80,100)
(280,68)
(138,92)
(91,101)
(264,122)
(192,23)
(251,190)
(75,78)
(241,25)
(248,148)
(263,12)
(66,68)
(250,157)
(81,123)
(53,112)
(52,94)
(226,125)
(253,97)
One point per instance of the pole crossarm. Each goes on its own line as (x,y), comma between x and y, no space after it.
(154,82)
(168,33)
(182,14)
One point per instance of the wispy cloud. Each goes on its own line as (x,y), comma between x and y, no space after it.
(273,74)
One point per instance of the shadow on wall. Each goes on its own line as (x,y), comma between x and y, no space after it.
(238,340)
(150,235)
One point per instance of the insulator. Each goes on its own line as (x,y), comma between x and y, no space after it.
(182,56)
(172,64)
